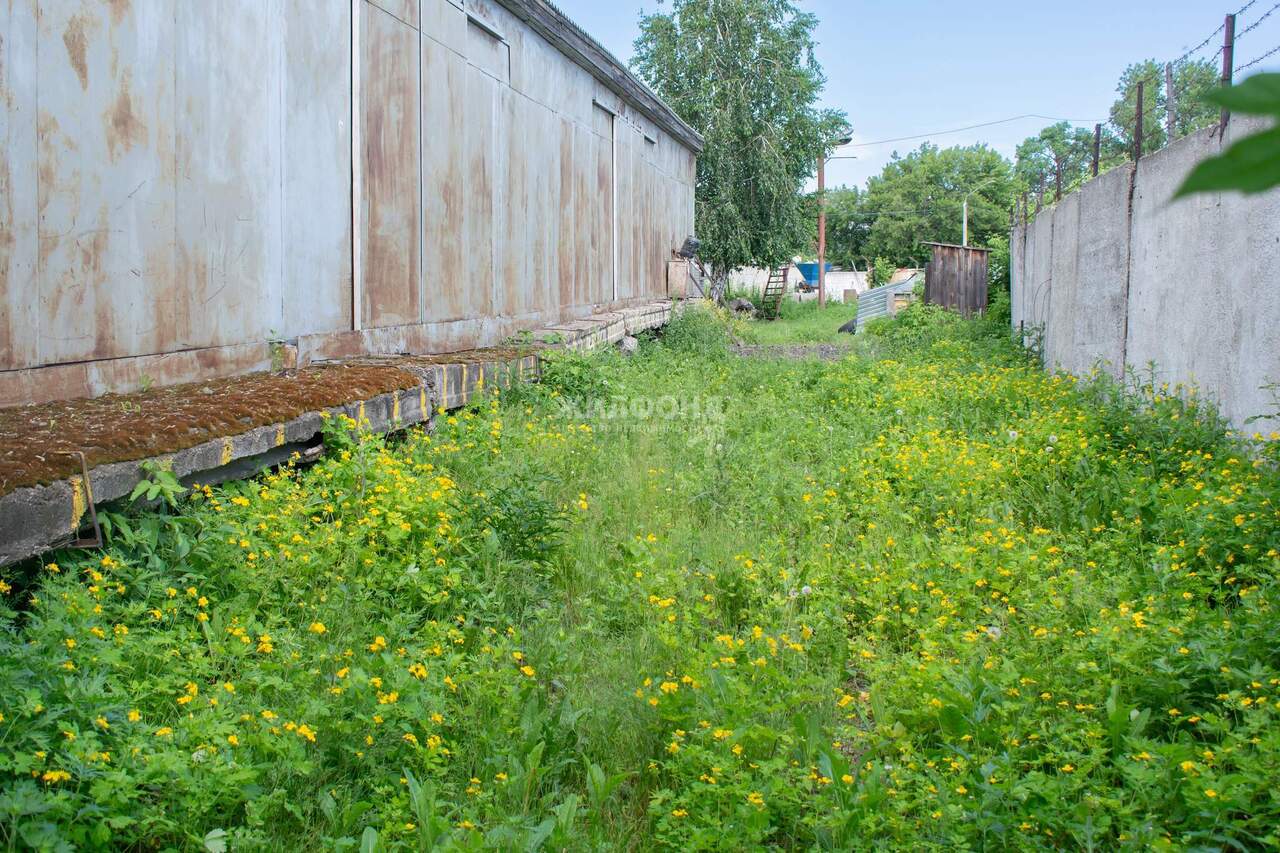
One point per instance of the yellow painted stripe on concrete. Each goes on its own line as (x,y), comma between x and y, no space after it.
(228,451)
(279,435)
(77,502)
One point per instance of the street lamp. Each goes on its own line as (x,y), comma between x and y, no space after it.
(964,234)
(822,216)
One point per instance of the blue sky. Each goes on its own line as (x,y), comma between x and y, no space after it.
(906,68)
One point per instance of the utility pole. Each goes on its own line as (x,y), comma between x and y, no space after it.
(1097,147)
(822,215)
(1170,107)
(1228,63)
(822,230)
(964,228)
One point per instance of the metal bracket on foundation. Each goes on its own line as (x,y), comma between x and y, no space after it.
(96,540)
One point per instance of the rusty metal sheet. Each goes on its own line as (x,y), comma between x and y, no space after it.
(390,102)
(478,230)
(105,169)
(229,161)
(627,213)
(449,289)
(585,228)
(443,21)
(317,167)
(514,144)
(487,49)
(19,241)
(543,225)
(566,246)
(405,10)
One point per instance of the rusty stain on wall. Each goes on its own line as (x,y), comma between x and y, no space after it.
(119,8)
(76,39)
(124,128)
(391,159)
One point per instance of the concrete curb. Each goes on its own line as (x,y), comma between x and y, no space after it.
(41,518)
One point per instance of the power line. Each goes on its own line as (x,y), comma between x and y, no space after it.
(963,129)
(1202,45)
(1156,80)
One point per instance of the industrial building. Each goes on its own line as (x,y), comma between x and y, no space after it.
(179,197)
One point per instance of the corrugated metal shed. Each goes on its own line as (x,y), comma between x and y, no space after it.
(879,301)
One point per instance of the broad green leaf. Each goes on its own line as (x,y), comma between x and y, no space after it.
(1256,95)
(1251,165)
(370,842)
(215,841)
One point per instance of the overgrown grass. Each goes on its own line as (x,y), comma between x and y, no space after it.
(925,597)
(803,322)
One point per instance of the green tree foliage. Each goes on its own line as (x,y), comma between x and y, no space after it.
(1191,80)
(919,197)
(848,227)
(743,73)
(1058,157)
(1124,111)
(883,271)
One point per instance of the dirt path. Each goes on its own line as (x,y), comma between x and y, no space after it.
(825,352)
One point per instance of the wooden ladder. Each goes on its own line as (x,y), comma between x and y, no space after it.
(774,291)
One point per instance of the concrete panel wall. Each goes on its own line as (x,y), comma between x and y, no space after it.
(1102,259)
(1059,302)
(1119,273)
(185,185)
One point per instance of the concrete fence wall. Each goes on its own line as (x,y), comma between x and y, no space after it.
(1120,274)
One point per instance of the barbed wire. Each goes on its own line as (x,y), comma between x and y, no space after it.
(1208,39)
(1201,46)
(1255,24)
(1254,62)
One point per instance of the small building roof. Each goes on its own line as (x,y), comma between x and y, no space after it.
(953,246)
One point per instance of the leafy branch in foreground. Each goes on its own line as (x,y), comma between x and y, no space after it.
(1251,165)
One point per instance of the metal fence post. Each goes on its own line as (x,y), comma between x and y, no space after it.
(1137,122)
(1228,61)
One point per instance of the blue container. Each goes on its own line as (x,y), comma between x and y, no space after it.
(810,272)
